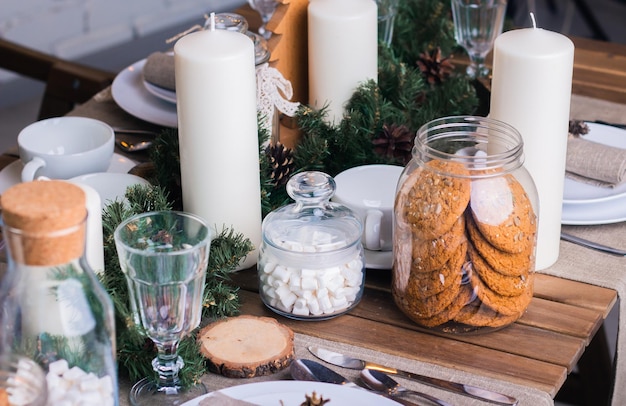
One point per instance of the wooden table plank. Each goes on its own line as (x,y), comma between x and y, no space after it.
(572,324)
(575,293)
(423,347)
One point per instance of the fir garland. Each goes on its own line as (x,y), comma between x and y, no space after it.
(402,98)
(135,350)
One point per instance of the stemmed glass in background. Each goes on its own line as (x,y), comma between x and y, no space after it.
(164,257)
(266,9)
(477,23)
(387,11)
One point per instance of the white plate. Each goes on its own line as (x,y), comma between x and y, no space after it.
(605,212)
(160,92)
(582,193)
(132,96)
(293,393)
(12,173)
(110,186)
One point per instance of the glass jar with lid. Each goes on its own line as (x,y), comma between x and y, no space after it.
(465,225)
(54,309)
(311,261)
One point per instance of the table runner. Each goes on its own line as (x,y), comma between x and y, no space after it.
(573,264)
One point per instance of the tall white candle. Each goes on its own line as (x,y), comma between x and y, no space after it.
(343,51)
(531,90)
(217,129)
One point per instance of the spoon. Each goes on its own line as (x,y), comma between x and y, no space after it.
(134,147)
(381,382)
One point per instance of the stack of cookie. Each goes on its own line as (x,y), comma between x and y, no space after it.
(464,244)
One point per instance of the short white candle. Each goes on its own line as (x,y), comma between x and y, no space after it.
(94,243)
(531,90)
(343,51)
(217,129)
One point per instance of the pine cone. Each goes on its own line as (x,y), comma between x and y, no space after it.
(394,142)
(578,128)
(433,67)
(281,163)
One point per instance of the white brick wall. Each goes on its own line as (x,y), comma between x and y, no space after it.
(73,29)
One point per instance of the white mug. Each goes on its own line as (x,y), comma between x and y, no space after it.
(65,147)
(370,191)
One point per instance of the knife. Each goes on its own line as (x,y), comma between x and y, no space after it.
(592,245)
(308,370)
(463,389)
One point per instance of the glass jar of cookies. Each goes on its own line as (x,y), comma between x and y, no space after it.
(311,261)
(465,226)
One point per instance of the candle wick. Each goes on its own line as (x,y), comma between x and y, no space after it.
(532,19)
(213,21)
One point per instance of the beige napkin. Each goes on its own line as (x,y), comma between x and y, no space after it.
(595,163)
(159,70)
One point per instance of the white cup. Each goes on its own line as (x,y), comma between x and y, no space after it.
(370,191)
(65,147)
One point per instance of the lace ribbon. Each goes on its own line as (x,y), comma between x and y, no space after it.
(273,94)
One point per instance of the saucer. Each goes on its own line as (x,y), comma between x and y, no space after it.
(378,259)
(12,173)
(110,186)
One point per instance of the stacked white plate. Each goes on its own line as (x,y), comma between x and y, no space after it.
(143,100)
(585,204)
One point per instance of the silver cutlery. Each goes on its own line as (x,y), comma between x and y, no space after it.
(593,245)
(455,387)
(382,382)
(133,146)
(308,370)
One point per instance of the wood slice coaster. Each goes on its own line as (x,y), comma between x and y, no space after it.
(247,346)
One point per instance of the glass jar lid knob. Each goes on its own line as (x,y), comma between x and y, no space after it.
(311,187)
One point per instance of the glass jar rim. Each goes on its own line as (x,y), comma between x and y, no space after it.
(507,153)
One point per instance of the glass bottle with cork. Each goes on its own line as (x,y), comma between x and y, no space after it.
(55,311)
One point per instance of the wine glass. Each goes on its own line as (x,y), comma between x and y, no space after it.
(477,23)
(164,257)
(266,9)
(387,11)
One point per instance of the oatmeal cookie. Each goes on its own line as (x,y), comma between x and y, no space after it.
(478,314)
(506,305)
(501,284)
(503,213)
(436,200)
(506,263)
(447,314)
(438,280)
(429,255)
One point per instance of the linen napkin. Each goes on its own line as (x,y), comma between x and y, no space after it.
(595,163)
(159,70)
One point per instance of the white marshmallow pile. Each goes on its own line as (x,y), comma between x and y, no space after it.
(18,393)
(310,292)
(73,386)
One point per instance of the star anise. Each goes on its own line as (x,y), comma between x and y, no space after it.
(394,141)
(434,68)
(578,128)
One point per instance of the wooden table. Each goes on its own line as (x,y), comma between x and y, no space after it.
(539,351)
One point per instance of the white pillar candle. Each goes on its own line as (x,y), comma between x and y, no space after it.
(217,129)
(531,90)
(343,51)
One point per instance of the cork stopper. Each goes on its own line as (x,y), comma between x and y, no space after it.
(44,222)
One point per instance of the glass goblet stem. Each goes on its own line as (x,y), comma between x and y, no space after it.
(167,364)
(477,68)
